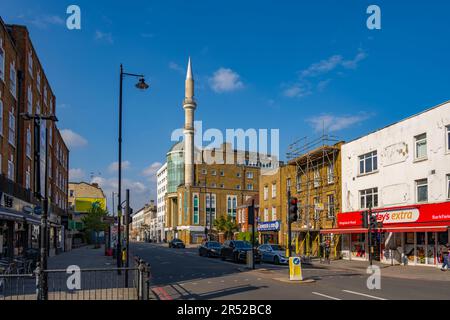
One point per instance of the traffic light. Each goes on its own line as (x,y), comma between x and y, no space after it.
(373,222)
(293,209)
(365,219)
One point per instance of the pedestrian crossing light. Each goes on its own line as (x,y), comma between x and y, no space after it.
(293,209)
(373,221)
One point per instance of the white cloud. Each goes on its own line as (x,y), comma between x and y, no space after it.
(176,67)
(151,170)
(76,174)
(73,139)
(322,67)
(115,166)
(336,123)
(225,80)
(353,64)
(43,21)
(104,36)
(296,90)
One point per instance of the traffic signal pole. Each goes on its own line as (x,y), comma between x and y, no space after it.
(370,236)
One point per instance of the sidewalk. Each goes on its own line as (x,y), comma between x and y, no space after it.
(84,257)
(396,271)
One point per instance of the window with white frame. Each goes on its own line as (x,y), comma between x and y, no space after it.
(238,186)
(274,190)
(288,183)
(28,147)
(10,170)
(422,190)
(448,138)
(38,81)
(13,79)
(2,60)
(298,182)
(27,179)
(249,175)
(448,186)
(330,203)
(30,63)
(231,206)
(330,173)
(316,177)
(420,143)
(45,94)
(195,201)
(266,192)
(368,162)
(368,198)
(213,172)
(38,108)
(210,206)
(249,186)
(12,128)
(266,214)
(316,208)
(204,171)
(30,100)
(274,213)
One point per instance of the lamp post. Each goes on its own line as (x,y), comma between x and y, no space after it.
(143,86)
(37,119)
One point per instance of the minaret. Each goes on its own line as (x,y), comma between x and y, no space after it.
(189,106)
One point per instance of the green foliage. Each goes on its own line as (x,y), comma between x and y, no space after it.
(93,221)
(245,236)
(227,225)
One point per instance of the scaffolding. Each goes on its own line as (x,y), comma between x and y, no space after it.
(316,178)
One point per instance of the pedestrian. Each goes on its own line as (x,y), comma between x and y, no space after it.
(327,250)
(445,256)
(124,255)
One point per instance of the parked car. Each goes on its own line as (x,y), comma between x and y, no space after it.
(176,243)
(236,250)
(273,253)
(210,249)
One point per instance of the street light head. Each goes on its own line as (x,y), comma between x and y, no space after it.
(141,84)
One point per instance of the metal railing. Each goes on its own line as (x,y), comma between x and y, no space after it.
(78,284)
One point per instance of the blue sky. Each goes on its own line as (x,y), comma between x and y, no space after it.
(289,65)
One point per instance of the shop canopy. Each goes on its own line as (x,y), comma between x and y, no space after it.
(343,231)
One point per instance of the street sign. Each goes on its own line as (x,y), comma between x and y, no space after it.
(295,269)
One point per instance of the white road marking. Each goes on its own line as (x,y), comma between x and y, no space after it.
(364,295)
(325,296)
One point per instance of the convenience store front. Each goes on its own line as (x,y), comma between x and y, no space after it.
(411,235)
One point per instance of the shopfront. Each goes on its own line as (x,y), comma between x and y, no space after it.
(269,232)
(412,235)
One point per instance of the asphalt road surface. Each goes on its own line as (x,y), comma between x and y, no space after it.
(183,274)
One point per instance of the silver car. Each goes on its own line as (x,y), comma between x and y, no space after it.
(273,253)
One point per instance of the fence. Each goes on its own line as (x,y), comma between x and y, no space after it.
(79,284)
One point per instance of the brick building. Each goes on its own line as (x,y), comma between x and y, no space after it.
(24,88)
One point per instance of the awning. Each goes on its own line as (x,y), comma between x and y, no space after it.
(416,229)
(343,231)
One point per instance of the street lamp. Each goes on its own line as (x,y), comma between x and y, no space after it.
(37,119)
(142,86)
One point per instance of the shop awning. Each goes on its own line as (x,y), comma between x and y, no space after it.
(416,229)
(343,231)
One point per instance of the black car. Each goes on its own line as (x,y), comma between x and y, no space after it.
(236,250)
(176,243)
(209,249)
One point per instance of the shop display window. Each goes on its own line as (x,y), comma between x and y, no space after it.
(442,238)
(431,248)
(358,245)
(409,246)
(421,248)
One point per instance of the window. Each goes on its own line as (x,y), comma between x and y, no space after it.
(266,214)
(422,190)
(49,167)
(238,186)
(45,94)
(13,79)
(204,171)
(298,182)
(249,175)
(210,208)
(316,208)
(30,63)
(448,186)
(421,146)
(274,190)
(1,117)
(213,172)
(330,173)
(330,206)
(249,186)
(316,177)
(266,192)
(222,185)
(238,174)
(368,198)
(274,213)
(196,217)
(288,183)
(222,173)
(50,135)
(38,80)
(30,100)
(28,148)
(38,108)
(2,61)
(10,170)
(27,179)
(368,162)
(448,138)
(231,206)
(12,128)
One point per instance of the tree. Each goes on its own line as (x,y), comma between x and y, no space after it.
(93,221)
(227,225)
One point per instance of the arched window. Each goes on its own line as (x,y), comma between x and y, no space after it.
(229,206)
(196,217)
(234,206)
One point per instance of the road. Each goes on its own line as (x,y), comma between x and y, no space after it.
(183,274)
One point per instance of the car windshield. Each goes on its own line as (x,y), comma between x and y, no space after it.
(277,247)
(242,244)
(213,244)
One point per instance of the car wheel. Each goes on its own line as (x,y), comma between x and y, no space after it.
(276,260)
